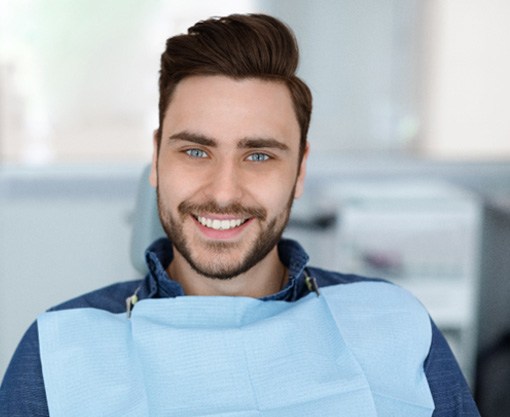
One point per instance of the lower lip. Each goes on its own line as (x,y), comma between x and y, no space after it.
(222,234)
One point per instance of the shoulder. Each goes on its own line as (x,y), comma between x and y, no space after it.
(327,278)
(388,332)
(449,388)
(111,298)
(363,305)
(375,305)
(22,391)
(357,289)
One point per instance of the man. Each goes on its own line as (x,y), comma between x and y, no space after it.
(258,332)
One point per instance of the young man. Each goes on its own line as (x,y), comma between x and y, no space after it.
(230,320)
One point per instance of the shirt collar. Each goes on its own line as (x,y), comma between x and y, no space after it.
(159,285)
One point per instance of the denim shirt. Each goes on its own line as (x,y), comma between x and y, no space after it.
(23,394)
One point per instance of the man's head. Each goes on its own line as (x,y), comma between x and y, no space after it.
(230,151)
(236,46)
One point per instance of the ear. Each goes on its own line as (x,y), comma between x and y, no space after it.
(300,181)
(153,177)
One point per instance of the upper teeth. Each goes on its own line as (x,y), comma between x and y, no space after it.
(219,224)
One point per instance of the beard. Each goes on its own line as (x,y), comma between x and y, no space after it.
(223,260)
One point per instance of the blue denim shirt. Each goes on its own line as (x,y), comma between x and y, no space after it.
(23,394)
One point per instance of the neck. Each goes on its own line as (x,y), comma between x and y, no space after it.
(265,278)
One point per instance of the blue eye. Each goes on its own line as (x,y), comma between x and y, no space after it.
(196,153)
(258,157)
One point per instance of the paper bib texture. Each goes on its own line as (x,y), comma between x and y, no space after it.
(356,350)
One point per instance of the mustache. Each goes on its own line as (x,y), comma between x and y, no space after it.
(211,207)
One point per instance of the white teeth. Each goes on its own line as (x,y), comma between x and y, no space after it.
(219,224)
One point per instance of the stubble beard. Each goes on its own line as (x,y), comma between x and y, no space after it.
(266,240)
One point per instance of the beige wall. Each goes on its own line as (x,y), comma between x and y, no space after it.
(467,82)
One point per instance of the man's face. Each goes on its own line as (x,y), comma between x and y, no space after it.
(227,171)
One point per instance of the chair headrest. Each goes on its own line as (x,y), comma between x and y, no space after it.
(146,225)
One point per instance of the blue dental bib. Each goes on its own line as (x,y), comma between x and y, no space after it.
(355,350)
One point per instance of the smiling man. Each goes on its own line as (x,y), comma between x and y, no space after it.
(231,320)
(227,168)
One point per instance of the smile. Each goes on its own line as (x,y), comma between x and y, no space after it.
(217,224)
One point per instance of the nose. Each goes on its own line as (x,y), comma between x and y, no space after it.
(225,183)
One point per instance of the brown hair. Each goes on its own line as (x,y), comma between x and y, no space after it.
(237,46)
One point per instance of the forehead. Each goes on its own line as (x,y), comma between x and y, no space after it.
(229,109)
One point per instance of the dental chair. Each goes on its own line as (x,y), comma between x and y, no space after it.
(146,225)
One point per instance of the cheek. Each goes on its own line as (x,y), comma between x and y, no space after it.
(275,194)
(175,188)
(169,189)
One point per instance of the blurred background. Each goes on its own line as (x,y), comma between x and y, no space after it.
(409,176)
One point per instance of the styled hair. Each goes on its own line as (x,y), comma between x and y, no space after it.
(236,46)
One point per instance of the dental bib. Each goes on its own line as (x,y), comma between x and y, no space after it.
(355,350)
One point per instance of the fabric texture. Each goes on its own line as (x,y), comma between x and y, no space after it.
(23,392)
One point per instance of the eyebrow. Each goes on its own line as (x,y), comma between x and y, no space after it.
(258,143)
(195,138)
(245,143)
